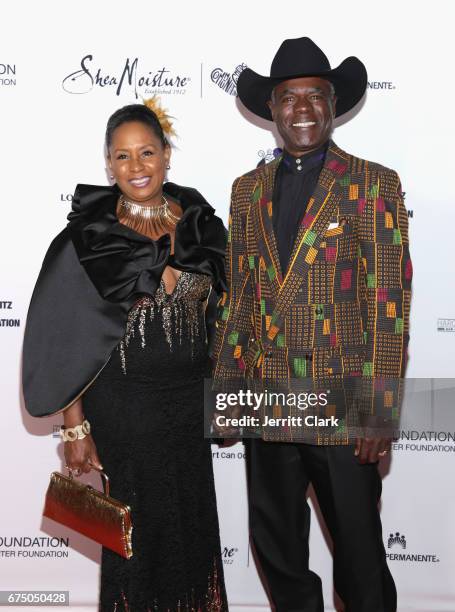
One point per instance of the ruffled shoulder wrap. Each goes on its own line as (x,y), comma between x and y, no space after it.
(92,274)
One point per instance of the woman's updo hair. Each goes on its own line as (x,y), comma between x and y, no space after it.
(134,112)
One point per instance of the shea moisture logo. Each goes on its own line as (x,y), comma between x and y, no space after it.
(130,76)
(228,555)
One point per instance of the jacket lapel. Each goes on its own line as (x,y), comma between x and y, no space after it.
(261,219)
(321,207)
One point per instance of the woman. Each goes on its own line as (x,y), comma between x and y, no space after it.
(116,337)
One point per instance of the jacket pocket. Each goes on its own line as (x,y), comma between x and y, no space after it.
(342,228)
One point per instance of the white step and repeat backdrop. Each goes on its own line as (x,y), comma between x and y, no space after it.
(64,68)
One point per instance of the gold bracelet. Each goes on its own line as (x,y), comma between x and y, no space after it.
(70,434)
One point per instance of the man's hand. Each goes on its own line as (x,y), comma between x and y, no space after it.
(370,450)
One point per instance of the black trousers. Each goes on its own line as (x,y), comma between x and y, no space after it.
(348,494)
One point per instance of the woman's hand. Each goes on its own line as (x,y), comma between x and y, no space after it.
(81,455)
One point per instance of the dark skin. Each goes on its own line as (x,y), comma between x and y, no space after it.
(371,448)
(137,154)
(137,159)
(303,110)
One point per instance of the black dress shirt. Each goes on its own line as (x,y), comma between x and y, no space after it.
(295,181)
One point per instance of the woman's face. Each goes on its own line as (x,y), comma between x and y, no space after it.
(138,160)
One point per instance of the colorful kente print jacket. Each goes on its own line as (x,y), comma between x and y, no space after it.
(341,309)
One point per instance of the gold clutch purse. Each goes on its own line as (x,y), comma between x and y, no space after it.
(90,512)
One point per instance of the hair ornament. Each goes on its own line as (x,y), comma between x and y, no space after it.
(161,114)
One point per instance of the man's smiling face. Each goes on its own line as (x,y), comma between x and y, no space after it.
(303,110)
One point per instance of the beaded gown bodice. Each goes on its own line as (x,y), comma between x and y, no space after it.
(178,315)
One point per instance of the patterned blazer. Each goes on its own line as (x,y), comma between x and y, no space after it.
(341,309)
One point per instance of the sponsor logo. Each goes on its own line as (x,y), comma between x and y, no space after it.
(228,555)
(66,198)
(8,322)
(227,81)
(424,441)
(130,76)
(381,85)
(446,325)
(410,211)
(7,75)
(33,547)
(268,155)
(398,541)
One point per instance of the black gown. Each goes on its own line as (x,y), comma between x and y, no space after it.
(145,409)
(101,326)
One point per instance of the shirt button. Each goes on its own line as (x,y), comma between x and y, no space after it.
(299,167)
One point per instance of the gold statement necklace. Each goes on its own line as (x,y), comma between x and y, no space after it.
(148,220)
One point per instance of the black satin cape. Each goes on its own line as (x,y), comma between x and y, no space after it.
(92,274)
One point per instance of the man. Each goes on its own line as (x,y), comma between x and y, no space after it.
(319,286)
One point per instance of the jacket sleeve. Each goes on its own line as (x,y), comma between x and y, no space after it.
(235,308)
(387,274)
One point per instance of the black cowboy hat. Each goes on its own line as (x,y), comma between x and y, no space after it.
(301,57)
